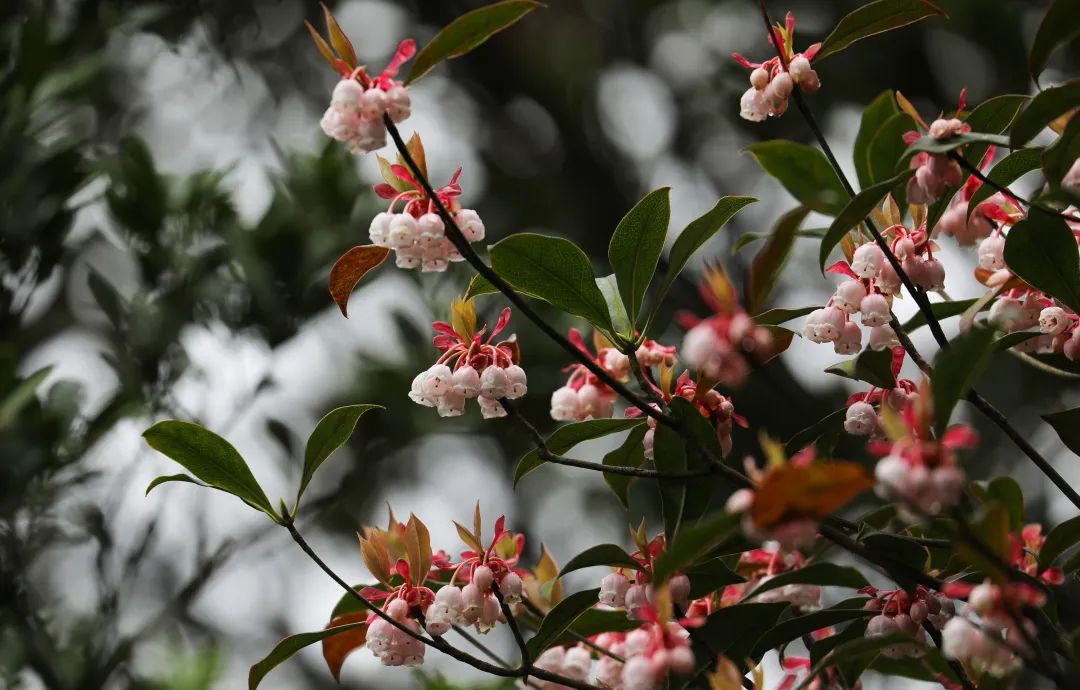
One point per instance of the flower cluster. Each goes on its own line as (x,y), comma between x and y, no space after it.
(772,81)
(416,232)
(970,225)
(935,172)
(1024,549)
(863,415)
(715,407)
(904,612)
(638,596)
(916,468)
(722,346)
(995,643)
(471,367)
(585,396)
(359,102)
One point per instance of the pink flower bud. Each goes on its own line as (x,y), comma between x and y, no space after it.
(799,68)
(451,404)
(636,600)
(918,612)
(510,586)
(490,408)
(933,275)
(881,626)
(489,614)
(849,294)
(1071,348)
(450,596)
(576,663)
(437,381)
(753,105)
(891,472)
(613,589)
(888,280)
(397,609)
(564,404)
(850,340)
(740,501)
(682,660)
(516,382)
(472,600)
(874,310)
(467,381)
(943,129)
(402,231)
(399,105)
(981,598)
(759,78)
(904,248)
(867,260)
(494,382)
(679,588)
(379,231)
(468,221)
(831,324)
(883,338)
(638,674)
(992,253)
(861,419)
(782,85)
(373,103)
(482,577)
(1007,314)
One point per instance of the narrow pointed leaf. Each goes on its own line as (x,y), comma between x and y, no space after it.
(875,18)
(804,171)
(158,481)
(636,245)
(872,366)
(874,116)
(855,211)
(1067,426)
(1044,108)
(330,433)
(794,628)
(291,645)
(602,554)
(569,435)
(1004,173)
(467,32)
(350,268)
(694,542)
(824,574)
(770,260)
(1060,25)
(340,41)
(1042,251)
(956,370)
(210,458)
(630,454)
(561,617)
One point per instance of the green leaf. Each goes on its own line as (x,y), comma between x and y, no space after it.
(750,237)
(561,617)
(829,426)
(21,395)
(210,458)
(619,319)
(1060,156)
(697,233)
(931,145)
(1013,339)
(467,32)
(1044,108)
(898,548)
(859,652)
(698,493)
(994,115)
(595,621)
(941,310)
(795,628)
(880,109)
(330,433)
(855,211)
(569,435)
(875,18)
(291,645)
(630,454)
(602,554)
(775,317)
(636,245)
(1042,251)
(670,456)
(1067,425)
(769,262)
(709,576)
(1008,170)
(554,270)
(1059,540)
(991,527)
(887,147)
(956,370)
(732,630)
(479,286)
(1007,491)
(1060,25)
(694,542)
(823,573)
(158,481)
(804,171)
(872,366)
(107,297)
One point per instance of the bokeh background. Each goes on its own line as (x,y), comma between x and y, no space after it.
(169,211)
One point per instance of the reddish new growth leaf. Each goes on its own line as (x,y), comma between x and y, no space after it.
(337,647)
(350,268)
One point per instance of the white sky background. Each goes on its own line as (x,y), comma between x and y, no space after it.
(197,111)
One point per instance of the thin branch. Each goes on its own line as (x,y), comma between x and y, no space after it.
(487,651)
(974,170)
(523,649)
(535,610)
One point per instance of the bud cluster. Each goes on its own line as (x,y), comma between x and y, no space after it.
(470,368)
(901,612)
(358,104)
(761,565)
(772,81)
(391,645)
(719,347)
(715,407)
(994,644)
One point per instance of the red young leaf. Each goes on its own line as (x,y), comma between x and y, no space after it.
(336,647)
(350,268)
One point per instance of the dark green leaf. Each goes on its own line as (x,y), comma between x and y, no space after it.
(291,645)
(602,554)
(595,621)
(1041,250)
(1008,170)
(467,32)
(880,109)
(994,116)
(774,317)
(823,573)
(709,576)
(478,286)
(956,370)
(887,147)
(330,433)
(106,297)
(1067,425)
(210,458)
(630,454)
(569,435)
(829,426)
(609,288)
(732,630)
(875,18)
(931,145)
(1059,540)
(991,527)
(699,492)
(158,481)
(748,238)
(21,395)
(1044,108)
(670,457)
(794,628)
(1013,339)
(1060,156)
(941,310)
(804,171)
(1007,491)
(697,233)
(561,617)
(872,366)
(855,211)
(860,651)
(636,245)
(1060,25)
(694,542)
(769,262)
(898,548)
